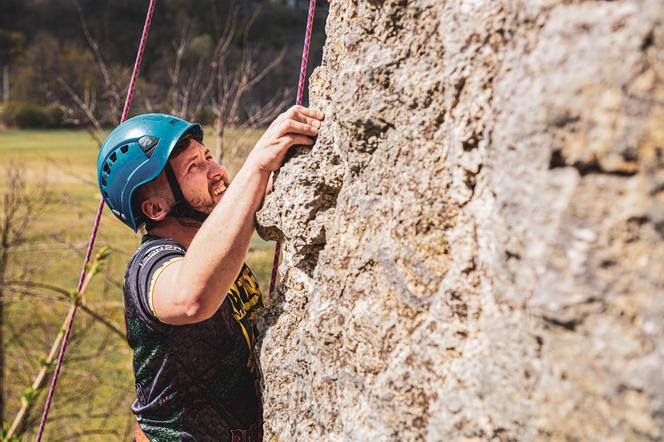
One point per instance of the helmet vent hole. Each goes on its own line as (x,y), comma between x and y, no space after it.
(124,149)
(106,168)
(105,194)
(103,181)
(113,157)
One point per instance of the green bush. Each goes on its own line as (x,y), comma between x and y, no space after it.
(30,115)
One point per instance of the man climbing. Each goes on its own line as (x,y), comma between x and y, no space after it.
(190,301)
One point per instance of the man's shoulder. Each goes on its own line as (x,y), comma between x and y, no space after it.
(152,247)
(151,251)
(146,261)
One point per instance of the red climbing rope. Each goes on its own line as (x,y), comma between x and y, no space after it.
(298,101)
(95,227)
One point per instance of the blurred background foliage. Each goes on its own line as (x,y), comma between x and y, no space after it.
(43,44)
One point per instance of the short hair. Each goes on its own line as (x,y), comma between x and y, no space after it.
(181,145)
(146,190)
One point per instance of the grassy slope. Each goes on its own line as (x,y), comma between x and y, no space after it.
(67,159)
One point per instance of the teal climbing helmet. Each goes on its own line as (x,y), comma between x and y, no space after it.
(135,153)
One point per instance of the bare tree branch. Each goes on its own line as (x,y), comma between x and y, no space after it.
(112,91)
(62,296)
(96,134)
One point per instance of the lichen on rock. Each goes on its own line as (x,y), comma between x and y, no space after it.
(473,249)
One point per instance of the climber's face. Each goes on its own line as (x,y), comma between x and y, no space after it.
(203,181)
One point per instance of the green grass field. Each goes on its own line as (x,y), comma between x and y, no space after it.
(96,388)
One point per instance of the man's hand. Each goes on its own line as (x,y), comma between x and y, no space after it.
(296,127)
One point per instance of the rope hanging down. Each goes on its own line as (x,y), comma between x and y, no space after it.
(95,227)
(298,101)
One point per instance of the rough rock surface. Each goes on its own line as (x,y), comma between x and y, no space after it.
(474,248)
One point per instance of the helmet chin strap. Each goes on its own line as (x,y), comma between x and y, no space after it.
(181,208)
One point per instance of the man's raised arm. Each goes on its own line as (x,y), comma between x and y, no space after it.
(192,290)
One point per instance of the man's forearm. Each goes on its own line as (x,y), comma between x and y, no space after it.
(217,252)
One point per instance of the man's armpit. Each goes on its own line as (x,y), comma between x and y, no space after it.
(153,283)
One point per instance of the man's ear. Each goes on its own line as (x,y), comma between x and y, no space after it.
(155,208)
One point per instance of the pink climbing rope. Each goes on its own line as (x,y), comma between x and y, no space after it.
(95,227)
(298,101)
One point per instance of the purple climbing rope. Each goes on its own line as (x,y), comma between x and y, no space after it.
(298,101)
(95,227)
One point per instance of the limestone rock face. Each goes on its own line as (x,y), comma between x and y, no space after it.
(474,248)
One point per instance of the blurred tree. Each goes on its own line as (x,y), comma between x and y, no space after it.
(20,208)
(12,44)
(24,205)
(87,52)
(37,71)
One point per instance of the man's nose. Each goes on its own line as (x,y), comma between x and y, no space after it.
(215,171)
